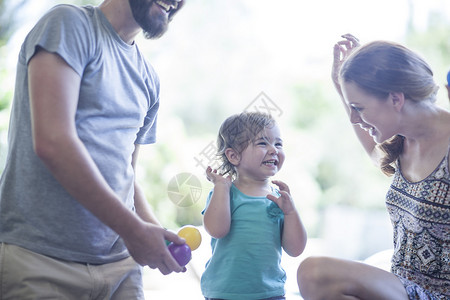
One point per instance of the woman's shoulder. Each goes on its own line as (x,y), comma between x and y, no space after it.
(442,140)
(443,143)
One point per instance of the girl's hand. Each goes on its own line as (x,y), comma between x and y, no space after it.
(284,202)
(294,234)
(214,177)
(342,50)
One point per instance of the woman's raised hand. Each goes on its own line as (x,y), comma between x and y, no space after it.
(341,51)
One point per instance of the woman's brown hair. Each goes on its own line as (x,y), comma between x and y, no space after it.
(382,67)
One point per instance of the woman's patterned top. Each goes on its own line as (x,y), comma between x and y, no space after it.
(420,215)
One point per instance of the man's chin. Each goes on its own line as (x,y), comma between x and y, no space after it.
(153,35)
(155,27)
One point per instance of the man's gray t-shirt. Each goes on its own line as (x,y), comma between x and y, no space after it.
(118,104)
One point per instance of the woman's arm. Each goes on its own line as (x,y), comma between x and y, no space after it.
(341,51)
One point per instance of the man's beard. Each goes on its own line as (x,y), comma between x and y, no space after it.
(153,25)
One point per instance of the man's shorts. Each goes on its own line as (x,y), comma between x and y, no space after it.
(28,275)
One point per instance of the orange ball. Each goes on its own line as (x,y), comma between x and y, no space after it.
(191,235)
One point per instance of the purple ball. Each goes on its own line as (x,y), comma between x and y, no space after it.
(181,253)
(448,78)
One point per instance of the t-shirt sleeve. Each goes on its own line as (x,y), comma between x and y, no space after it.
(63,30)
(147,133)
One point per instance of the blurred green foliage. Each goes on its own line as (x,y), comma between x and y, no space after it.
(8,22)
(434,44)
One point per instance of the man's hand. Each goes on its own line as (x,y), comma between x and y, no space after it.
(148,248)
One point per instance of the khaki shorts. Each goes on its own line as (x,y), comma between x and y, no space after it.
(27,275)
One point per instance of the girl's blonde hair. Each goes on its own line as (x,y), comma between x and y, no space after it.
(237,132)
(382,67)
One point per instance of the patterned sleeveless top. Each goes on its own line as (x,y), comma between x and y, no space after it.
(420,215)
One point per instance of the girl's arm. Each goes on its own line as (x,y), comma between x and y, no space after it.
(294,233)
(217,217)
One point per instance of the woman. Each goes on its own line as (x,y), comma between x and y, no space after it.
(389,94)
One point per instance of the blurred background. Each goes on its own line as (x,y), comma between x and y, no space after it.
(223,57)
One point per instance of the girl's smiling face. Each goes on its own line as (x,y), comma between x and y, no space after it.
(377,116)
(263,157)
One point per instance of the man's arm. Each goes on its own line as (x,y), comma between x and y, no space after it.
(143,209)
(54,91)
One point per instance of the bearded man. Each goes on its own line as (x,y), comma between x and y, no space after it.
(74,224)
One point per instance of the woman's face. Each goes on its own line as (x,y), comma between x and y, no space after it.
(377,116)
